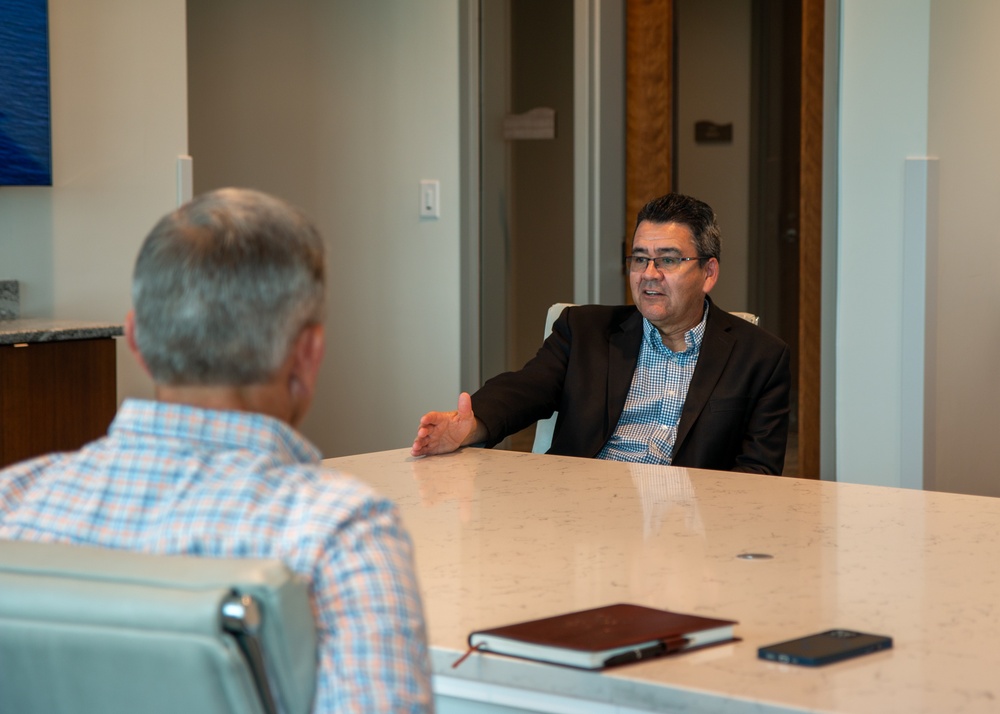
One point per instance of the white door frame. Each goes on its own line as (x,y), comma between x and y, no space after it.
(599,154)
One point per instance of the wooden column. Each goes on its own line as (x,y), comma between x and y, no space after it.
(649,71)
(810,235)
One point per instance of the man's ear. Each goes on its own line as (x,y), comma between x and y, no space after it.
(307,359)
(711,275)
(130,338)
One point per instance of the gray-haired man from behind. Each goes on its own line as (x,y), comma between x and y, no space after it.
(228,296)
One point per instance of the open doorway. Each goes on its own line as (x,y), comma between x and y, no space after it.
(736,140)
(526,177)
(775,195)
(742,85)
(550,208)
(526,196)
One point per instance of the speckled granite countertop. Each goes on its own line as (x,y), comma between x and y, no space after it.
(10,300)
(501,537)
(17,331)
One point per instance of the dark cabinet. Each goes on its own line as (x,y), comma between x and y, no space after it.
(55,396)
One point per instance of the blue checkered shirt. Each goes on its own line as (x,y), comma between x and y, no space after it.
(170,478)
(647,429)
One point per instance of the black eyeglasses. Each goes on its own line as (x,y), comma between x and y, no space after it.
(663,263)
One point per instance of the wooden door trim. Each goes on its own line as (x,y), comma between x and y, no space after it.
(810,235)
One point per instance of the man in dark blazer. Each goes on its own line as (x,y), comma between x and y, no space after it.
(672,379)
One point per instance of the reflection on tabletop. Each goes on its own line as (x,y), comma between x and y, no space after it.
(435,486)
(662,491)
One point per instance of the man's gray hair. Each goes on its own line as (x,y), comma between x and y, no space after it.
(688,211)
(223,285)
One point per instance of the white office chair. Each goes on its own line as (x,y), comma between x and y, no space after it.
(544,428)
(748,316)
(86,630)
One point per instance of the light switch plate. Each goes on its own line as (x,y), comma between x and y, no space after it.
(430,198)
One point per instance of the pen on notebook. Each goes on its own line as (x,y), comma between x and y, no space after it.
(641,653)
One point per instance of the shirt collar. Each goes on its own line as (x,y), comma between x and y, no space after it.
(692,338)
(223,429)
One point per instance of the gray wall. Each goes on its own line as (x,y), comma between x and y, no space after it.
(343,106)
(964,101)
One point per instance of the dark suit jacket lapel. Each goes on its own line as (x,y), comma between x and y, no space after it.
(623,355)
(716,346)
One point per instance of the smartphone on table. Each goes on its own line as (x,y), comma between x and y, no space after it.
(825,647)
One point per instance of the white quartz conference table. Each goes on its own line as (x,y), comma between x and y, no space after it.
(504,536)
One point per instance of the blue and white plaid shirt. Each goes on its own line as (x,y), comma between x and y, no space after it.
(647,429)
(170,478)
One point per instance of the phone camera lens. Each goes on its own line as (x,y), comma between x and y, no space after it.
(842,634)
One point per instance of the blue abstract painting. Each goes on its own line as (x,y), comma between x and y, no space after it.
(25,116)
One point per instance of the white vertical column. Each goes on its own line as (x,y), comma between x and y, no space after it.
(598,150)
(884,55)
(917,366)
(185,179)
(585,208)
